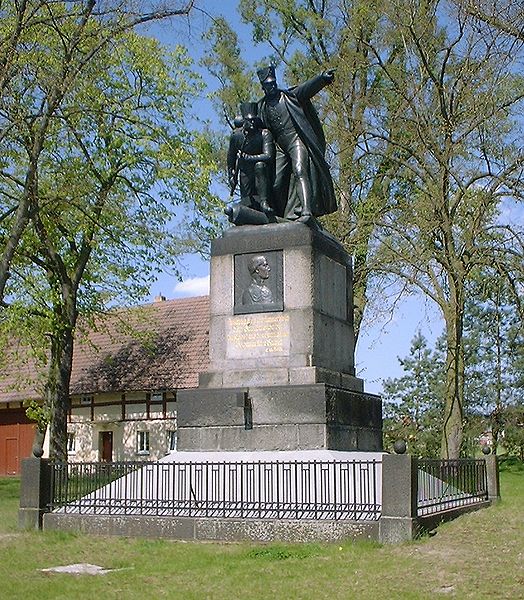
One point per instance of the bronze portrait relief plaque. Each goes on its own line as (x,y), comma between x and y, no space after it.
(258,285)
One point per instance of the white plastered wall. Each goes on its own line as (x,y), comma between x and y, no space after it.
(125,432)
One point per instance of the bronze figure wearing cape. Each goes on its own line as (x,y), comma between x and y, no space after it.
(303,187)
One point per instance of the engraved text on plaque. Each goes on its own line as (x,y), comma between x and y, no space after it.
(257,335)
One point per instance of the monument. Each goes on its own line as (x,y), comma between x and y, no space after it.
(280,440)
(281,340)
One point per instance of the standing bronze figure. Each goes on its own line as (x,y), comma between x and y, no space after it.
(250,160)
(303,187)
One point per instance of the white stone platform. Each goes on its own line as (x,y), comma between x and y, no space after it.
(308,484)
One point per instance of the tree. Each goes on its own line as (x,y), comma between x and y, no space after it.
(425,128)
(426,135)
(115,159)
(413,403)
(457,99)
(494,352)
(29,71)
(226,64)
(493,396)
(514,431)
(505,16)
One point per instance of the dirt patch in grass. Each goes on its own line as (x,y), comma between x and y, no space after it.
(8,536)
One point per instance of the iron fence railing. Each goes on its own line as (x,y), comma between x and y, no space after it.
(446,484)
(340,490)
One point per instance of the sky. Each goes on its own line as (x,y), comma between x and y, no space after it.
(384,337)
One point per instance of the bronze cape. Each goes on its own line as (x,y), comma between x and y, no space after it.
(309,129)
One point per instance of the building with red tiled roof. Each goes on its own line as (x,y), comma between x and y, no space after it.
(127,368)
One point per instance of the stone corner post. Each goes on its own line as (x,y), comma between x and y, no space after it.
(398,522)
(492,475)
(35,492)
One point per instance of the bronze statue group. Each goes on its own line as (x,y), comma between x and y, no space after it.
(276,156)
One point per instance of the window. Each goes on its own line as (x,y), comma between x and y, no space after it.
(171,440)
(142,439)
(86,400)
(71,447)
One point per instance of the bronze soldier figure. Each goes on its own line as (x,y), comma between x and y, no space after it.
(302,187)
(250,160)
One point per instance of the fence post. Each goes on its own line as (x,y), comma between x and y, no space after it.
(398,521)
(492,475)
(35,492)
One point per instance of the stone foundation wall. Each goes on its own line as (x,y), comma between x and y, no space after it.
(211,529)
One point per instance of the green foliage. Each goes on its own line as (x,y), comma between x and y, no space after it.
(494,357)
(304,38)
(425,141)
(413,403)
(513,422)
(38,413)
(103,182)
(118,164)
(456,102)
(494,345)
(493,398)
(502,16)
(511,464)
(224,61)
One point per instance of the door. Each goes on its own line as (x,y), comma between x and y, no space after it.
(11,454)
(16,441)
(106,445)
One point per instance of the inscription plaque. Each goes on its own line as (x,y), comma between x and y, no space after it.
(257,335)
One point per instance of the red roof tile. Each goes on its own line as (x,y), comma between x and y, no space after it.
(160,346)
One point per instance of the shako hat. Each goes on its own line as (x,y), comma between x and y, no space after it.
(267,74)
(249,110)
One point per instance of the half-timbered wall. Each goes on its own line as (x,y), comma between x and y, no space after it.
(130,426)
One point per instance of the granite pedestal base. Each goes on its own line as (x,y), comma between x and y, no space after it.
(304,334)
(291,417)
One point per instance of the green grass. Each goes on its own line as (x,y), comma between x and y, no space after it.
(480,554)
(9,501)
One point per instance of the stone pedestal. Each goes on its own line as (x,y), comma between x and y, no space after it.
(35,492)
(292,417)
(282,372)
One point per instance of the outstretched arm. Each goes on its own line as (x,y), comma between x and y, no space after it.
(312,86)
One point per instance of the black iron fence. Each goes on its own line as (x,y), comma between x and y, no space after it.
(321,490)
(447,484)
(339,490)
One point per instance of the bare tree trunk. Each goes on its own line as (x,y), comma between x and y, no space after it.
(59,374)
(452,432)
